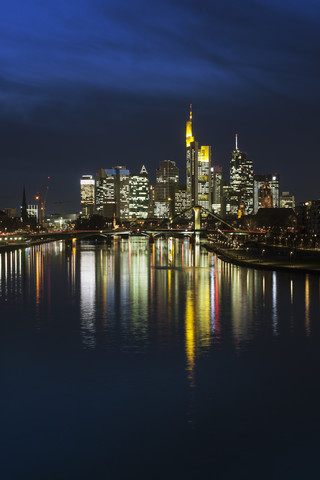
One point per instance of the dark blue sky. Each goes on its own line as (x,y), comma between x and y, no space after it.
(90,84)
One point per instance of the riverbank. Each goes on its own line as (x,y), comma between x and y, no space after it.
(268,261)
(10,247)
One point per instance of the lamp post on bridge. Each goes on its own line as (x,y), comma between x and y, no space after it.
(197,223)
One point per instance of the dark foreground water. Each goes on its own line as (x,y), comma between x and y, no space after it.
(164,362)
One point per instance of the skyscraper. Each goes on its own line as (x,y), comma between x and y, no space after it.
(87,195)
(241,181)
(216,185)
(198,166)
(180,199)
(139,194)
(122,192)
(167,178)
(101,192)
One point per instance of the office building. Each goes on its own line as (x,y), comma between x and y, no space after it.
(33,211)
(113,192)
(121,191)
(287,200)
(309,217)
(180,201)
(216,188)
(198,170)
(101,192)
(139,194)
(87,195)
(167,179)
(241,182)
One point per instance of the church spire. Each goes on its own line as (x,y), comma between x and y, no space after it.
(24,213)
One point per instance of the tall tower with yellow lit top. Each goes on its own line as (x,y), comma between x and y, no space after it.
(198,165)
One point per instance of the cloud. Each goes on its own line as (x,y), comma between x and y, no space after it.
(170,48)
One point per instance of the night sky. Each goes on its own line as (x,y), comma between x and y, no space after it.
(86,84)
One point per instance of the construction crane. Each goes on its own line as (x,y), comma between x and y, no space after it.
(42,200)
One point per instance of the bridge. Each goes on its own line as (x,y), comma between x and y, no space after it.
(165,229)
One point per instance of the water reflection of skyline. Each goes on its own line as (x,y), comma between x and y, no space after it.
(140,292)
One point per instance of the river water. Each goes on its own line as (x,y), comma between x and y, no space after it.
(138,361)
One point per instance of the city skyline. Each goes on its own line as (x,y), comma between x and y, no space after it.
(115,88)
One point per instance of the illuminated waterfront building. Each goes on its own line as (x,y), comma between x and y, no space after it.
(259,181)
(113,192)
(151,201)
(287,200)
(87,195)
(33,211)
(198,170)
(101,189)
(309,217)
(139,194)
(180,200)
(167,178)
(105,192)
(216,186)
(228,199)
(241,182)
(122,192)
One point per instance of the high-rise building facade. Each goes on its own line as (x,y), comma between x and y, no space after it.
(180,202)
(122,192)
(113,192)
(216,187)
(139,194)
(198,170)
(105,192)
(33,211)
(287,200)
(241,181)
(87,195)
(167,179)
(101,189)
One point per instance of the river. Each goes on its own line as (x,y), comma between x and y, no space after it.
(162,361)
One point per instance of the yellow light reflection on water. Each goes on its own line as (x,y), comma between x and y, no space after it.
(190,336)
(307,305)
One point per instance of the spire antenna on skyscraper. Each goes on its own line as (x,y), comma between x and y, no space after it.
(190,111)
(236,141)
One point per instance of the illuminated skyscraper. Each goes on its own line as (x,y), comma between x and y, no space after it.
(180,202)
(216,185)
(139,194)
(112,192)
(167,178)
(198,166)
(87,195)
(241,182)
(122,192)
(101,189)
